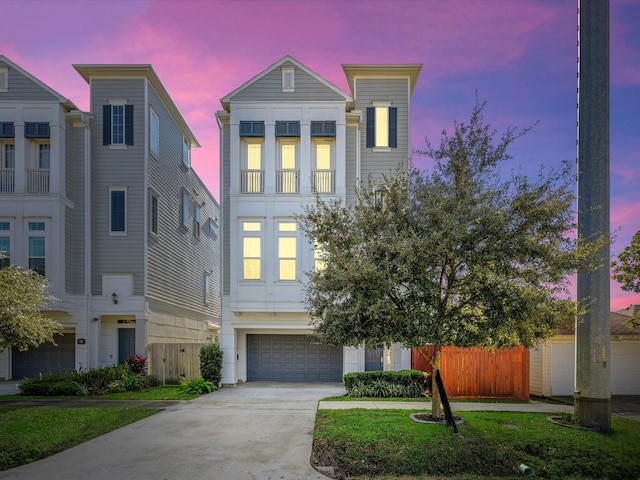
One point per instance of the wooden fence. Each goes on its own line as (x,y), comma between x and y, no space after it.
(172,362)
(479,373)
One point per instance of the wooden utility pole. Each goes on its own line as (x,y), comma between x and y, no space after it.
(593,341)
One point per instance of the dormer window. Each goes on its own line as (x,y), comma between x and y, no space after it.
(288,79)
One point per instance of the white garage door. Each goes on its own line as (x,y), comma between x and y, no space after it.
(562,367)
(625,368)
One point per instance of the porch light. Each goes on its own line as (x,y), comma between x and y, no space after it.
(114,298)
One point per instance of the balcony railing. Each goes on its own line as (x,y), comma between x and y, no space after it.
(252,181)
(7,180)
(323,181)
(287,181)
(38,180)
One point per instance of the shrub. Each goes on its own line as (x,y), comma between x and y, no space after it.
(211,363)
(128,383)
(404,383)
(136,364)
(197,385)
(39,386)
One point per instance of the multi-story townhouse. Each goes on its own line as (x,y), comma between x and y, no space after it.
(286,135)
(106,205)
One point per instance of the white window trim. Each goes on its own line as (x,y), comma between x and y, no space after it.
(185,209)
(154,140)
(208,277)
(118,102)
(382,104)
(126,205)
(287,234)
(252,234)
(186,152)
(4,79)
(153,194)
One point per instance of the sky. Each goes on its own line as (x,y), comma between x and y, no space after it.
(520,56)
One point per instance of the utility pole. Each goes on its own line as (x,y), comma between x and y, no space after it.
(593,333)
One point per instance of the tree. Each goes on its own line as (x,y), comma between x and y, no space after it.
(457,257)
(23,296)
(626,271)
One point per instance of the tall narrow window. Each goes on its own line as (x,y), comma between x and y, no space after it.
(153,213)
(186,152)
(382,127)
(5,244)
(252,179)
(319,255)
(8,155)
(323,173)
(118,211)
(251,250)
(287,250)
(44,156)
(207,288)
(196,220)
(287,176)
(185,209)
(37,248)
(154,132)
(117,123)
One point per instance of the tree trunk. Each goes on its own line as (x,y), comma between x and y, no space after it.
(434,361)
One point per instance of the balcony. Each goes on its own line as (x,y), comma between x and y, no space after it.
(252,181)
(287,181)
(323,181)
(7,180)
(38,180)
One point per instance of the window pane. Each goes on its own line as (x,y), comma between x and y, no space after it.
(186,152)
(185,208)
(154,214)
(44,156)
(287,247)
(9,155)
(117,211)
(251,226)
(5,246)
(252,247)
(38,264)
(252,269)
(155,133)
(287,269)
(288,157)
(36,246)
(36,226)
(117,124)
(254,157)
(287,227)
(382,126)
(5,226)
(323,156)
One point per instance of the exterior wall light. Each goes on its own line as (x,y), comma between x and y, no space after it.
(114,298)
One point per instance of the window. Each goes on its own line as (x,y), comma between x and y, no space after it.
(323,174)
(154,132)
(117,210)
(5,244)
(37,248)
(185,209)
(288,79)
(251,250)
(323,129)
(252,175)
(44,155)
(320,257)
(8,155)
(153,213)
(117,123)
(287,129)
(382,127)
(213,228)
(186,152)
(287,175)
(7,130)
(36,130)
(287,250)
(196,220)
(252,128)
(207,288)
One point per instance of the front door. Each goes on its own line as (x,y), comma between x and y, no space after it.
(373,359)
(126,343)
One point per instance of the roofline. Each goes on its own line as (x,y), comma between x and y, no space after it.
(63,100)
(89,71)
(224,101)
(399,70)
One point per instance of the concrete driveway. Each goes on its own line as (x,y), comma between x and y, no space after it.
(257,430)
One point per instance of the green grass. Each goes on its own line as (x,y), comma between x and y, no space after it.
(166,392)
(346,398)
(362,443)
(30,434)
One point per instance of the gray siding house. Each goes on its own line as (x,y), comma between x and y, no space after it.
(288,135)
(106,205)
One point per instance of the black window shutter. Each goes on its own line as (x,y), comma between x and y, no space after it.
(393,127)
(7,130)
(128,124)
(371,127)
(106,124)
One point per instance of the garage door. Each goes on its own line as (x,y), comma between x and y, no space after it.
(562,366)
(292,358)
(45,358)
(625,368)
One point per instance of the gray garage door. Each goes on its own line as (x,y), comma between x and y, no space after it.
(292,358)
(46,358)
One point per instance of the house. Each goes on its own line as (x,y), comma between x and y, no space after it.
(553,362)
(286,135)
(106,205)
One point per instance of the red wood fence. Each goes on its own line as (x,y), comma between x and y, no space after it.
(480,373)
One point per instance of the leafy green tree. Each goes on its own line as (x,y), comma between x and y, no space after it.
(626,270)
(23,295)
(458,257)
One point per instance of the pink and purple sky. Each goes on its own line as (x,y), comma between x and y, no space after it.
(519,55)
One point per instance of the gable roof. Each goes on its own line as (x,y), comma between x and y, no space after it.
(284,60)
(619,326)
(63,100)
(147,72)
(387,70)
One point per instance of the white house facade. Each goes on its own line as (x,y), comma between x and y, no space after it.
(286,135)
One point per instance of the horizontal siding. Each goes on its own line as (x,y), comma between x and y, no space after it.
(269,88)
(22,88)
(351,164)
(226,211)
(75,211)
(118,167)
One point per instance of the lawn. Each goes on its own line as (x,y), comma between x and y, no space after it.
(30,434)
(366,444)
(166,392)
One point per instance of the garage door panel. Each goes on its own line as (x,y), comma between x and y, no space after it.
(292,358)
(45,358)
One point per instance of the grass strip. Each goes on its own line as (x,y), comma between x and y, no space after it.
(361,443)
(30,434)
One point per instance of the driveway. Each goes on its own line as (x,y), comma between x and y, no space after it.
(257,430)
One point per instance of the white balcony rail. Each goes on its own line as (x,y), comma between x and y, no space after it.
(38,180)
(287,181)
(323,181)
(7,180)
(252,181)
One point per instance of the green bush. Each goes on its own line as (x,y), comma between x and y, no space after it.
(403,383)
(128,383)
(196,385)
(211,363)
